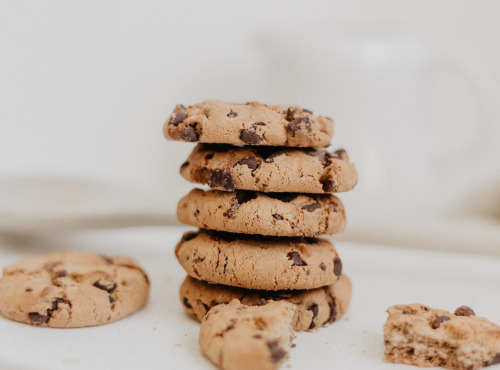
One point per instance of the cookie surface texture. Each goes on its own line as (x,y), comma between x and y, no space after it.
(70,289)
(274,214)
(239,337)
(252,123)
(313,308)
(263,263)
(419,335)
(270,169)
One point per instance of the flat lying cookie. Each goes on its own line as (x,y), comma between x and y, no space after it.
(313,308)
(419,335)
(239,337)
(276,214)
(257,262)
(71,289)
(270,169)
(252,123)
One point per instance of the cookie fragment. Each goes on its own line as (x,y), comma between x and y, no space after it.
(239,337)
(70,289)
(419,335)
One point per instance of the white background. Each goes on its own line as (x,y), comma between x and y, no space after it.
(412,86)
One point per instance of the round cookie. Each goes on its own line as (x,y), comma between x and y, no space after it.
(275,214)
(270,169)
(252,123)
(238,337)
(69,289)
(256,262)
(313,308)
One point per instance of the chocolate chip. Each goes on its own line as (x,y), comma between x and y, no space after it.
(328,186)
(337,154)
(314,310)
(322,156)
(55,304)
(111,300)
(249,137)
(293,126)
(277,217)
(209,156)
(221,179)
(406,312)
(189,235)
(258,124)
(295,257)
(178,118)
(250,162)
(37,319)
(464,311)
(277,352)
(189,134)
(290,114)
(307,111)
(62,273)
(186,302)
(438,321)
(337,266)
(260,302)
(28,290)
(495,360)
(108,287)
(271,157)
(333,312)
(311,207)
(232,114)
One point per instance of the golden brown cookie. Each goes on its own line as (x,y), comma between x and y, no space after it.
(70,289)
(238,337)
(270,169)
(255,262)
(418,335)
(313,308)
(252,123)
(276,214)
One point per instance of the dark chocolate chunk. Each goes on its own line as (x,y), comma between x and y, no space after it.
(209,156)
(295,257)
(232,114)
(37,319)
(28,290)
(258,124)
(260,302)
(277,217)
(186,303)
(271,157)
(328,186)
(189,134)
(250,162)
(178,118)
(221,179)
(322,266)
(464,311)
(438,321)
(277,352)
(337,154)
(108,287)
(337,266)
(249,137)
(293,126)
(55,304)
(62,273)
(311,207)
(322,156)
(314,310)
(406,312)
(307,111)
(290,114)
(333,312)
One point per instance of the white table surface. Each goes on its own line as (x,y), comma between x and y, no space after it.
(162,336)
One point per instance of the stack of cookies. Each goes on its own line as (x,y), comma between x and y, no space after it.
(270,182)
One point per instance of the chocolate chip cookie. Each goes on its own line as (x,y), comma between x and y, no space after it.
(252,123)
(419,335)
(270,169)
(238,337)
(313,308)
(70,289)
(276,214)
(256,262)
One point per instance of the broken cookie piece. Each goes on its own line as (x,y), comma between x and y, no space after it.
(69,289)
(418,335)
(236,336)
